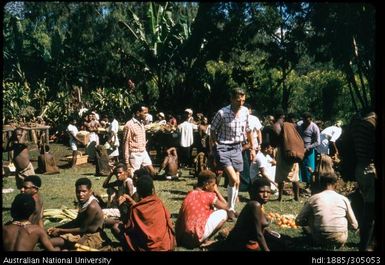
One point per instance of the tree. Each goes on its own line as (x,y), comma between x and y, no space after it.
(344,33)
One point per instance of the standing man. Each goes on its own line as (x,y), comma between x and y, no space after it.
(23,164)
(310,134)
(92,127)
(186,130)
(134,141)
(328,137)
(364,142)
(113,138)
(72,131)
(228,129)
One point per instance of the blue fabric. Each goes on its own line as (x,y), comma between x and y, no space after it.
(308,161)
(229,155)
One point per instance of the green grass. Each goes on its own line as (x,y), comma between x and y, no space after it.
(58,190)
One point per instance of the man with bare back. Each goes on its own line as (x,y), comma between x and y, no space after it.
(20,234)
(170,164)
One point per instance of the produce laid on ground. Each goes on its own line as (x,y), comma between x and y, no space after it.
(63,215)
(284,220)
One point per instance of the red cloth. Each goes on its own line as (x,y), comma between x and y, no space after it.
(193,215)
(150,227)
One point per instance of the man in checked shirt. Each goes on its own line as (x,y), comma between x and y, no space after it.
(228,130)
(134,141)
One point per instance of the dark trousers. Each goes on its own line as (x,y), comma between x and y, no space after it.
(185,156)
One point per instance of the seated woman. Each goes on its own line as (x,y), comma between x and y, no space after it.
(250,230)
(327,214)
(198,218)
(46,161)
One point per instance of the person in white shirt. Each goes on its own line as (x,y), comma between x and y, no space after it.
(186,130)
(260,167)
(148,120)
(255,127)
(328,214)
(190,115)
(161,118)
(113,140)
(329,135)
(72,131)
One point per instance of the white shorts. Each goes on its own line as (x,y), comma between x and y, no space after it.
(214,220)
(111,212)
(138,159)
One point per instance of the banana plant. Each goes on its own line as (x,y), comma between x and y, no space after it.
(161,31)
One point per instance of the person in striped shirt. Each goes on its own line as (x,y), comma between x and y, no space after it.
(134,141)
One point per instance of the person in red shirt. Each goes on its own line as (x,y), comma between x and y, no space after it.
(203,212)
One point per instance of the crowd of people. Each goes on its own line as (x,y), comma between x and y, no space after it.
(252,156)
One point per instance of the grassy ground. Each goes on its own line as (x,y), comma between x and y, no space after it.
(58,190)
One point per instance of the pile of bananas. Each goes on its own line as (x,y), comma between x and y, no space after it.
(60,215)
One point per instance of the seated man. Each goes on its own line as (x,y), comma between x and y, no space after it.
(102,161)
(21,159)
(86,228)
(149,227)
(259,167)
(31,186)
(20,234)
(122,185)
(170,164)
(200,162)
(202,214)
(327,215)
(46,161)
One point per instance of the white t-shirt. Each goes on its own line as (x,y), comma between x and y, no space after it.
(329,134)
(186,130)
(114,127)
(148,119)
(259,162)
(73,132)
(255,125)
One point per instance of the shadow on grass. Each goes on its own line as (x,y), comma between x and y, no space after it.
(64,166)
(174,216)
(177,198)
(177,192)
(243,198)
(285,243)
(91,174)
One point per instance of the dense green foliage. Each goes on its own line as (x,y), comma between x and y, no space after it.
(295,56)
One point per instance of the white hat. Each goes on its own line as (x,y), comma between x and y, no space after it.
(161,114)
(189,111)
